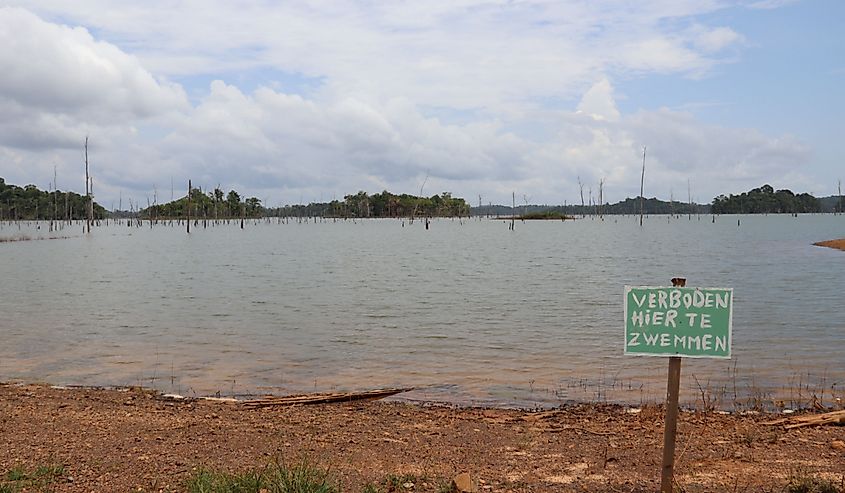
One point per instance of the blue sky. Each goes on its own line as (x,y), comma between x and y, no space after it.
(303,100)
(791,69)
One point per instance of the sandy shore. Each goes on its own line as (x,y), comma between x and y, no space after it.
(111,440)
(838,244)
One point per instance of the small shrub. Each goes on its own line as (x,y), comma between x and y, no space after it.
(804,483)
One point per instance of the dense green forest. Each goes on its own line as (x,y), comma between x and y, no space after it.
(765,200)
(385,204)
(214,204)
(30,203)
(834,203)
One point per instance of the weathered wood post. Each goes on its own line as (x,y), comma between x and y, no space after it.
(670,429)
(188,208)
(642,184)
(90,205)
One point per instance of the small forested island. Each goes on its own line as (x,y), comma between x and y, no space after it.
(386,204)
(29,203)
(216,204)
(765,200)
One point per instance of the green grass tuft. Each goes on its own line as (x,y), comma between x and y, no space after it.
(395,482)
(50,471)
(804,483)
(17,473)
(275,478)
(19,479)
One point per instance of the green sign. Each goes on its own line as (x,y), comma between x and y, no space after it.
(668,321)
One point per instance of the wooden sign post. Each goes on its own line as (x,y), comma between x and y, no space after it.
(677,321)
(670,426)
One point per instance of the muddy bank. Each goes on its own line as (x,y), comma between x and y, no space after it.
(109,440)
(838,244)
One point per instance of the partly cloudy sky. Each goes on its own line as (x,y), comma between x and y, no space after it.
(305,101)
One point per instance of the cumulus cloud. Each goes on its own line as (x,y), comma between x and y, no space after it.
(598,102)
(465,54)
(57,80)
(288,148)
(273,139)
(365,127)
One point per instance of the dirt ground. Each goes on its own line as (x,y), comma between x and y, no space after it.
(133,440)
(838,244)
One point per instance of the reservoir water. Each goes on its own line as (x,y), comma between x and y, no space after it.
(467,311)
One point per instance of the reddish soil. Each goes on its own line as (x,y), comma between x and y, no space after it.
(838,244)
(111,440)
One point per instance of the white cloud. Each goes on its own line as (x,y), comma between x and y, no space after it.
(364,129)
(64,70)
(59,83)
(467,54)
(681,147)
(286,148)
(716,39)
(598,102)
(770,4)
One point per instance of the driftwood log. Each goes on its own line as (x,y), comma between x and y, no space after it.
(835,417)
(292,400)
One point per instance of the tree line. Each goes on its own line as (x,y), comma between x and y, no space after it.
(30,203)
(629,206)
(214,204)
(762,200)
(384,204)
(765,200)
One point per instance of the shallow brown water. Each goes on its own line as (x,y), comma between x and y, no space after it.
(466,311)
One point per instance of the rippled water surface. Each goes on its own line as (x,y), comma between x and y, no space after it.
(466,311)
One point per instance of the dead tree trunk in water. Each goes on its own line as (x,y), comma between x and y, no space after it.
(91,205)
(581,187)
(88,188)
(188,207)
(642,183)
(671,203)
(689,201)
(55,201)
(479,207)
(155,205)
(601,199)
(513,209)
